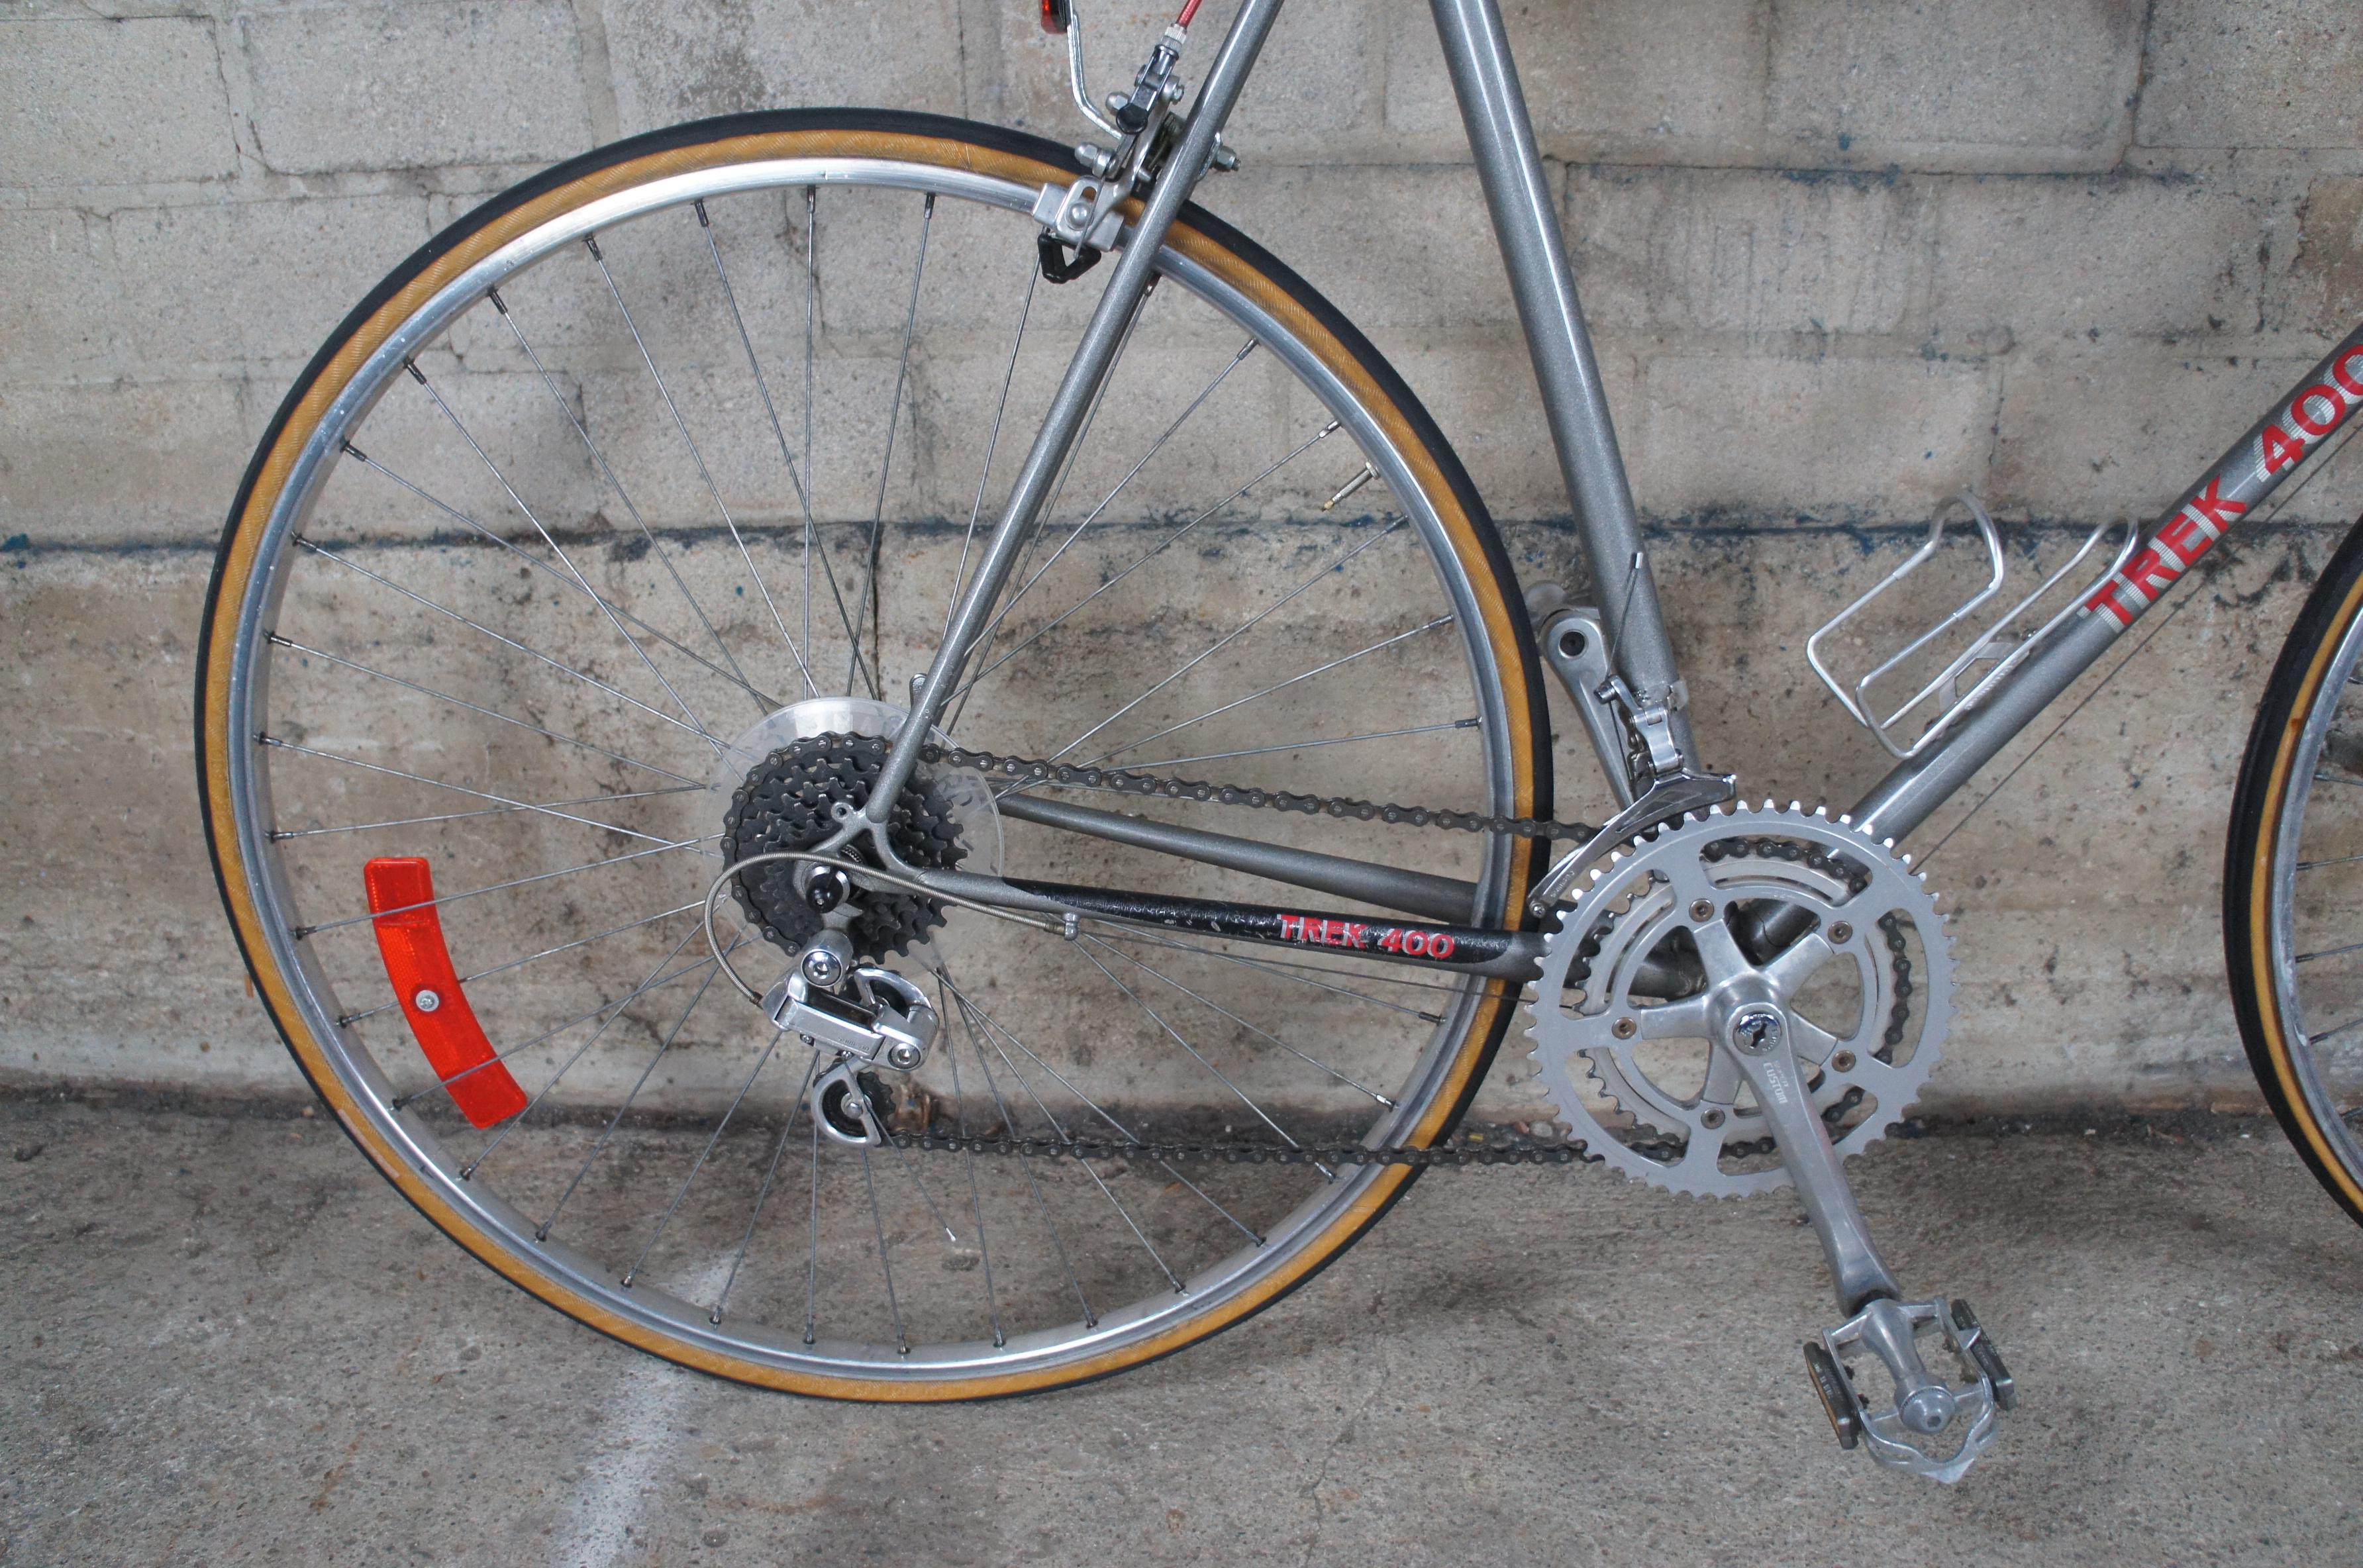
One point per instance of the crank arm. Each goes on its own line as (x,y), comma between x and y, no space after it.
(1924,1403)
(1759,1044)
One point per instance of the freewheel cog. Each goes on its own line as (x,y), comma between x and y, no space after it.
(1646,1079)
(786,802)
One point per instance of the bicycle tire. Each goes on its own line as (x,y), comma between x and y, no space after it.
(249,574)
(2263,941)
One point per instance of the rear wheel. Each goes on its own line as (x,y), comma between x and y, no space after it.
(599,545)
(2293,883)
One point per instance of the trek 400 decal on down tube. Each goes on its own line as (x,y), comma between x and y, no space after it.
(2332,392)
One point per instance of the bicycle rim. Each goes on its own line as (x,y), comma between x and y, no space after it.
(351,1046)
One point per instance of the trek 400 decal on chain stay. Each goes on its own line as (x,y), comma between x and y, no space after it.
(2332,392)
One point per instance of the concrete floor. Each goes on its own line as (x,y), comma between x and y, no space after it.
(225,1340)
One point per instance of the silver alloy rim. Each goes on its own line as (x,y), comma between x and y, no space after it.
(678,1318)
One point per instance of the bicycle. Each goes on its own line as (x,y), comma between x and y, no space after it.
(1068,1086)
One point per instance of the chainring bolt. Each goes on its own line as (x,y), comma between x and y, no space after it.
(1713,1118)
(1843,1062)
(1703,910)
(1627,1027)
(1841,933)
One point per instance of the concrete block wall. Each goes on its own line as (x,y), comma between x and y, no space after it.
(1843,257)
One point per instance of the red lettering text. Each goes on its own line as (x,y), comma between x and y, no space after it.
(2281,449)
(2343,373)
(2300,410)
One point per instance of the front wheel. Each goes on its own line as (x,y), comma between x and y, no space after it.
(2293,883)
(602,544)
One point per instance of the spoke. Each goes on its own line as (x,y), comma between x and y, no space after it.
(975,1198)
(867,610)
(602,1010)
(590,680)
(278,745)
(996,1032)
(812,536)
(291,644)
(2334,860)
(1146,556)
(2314,1040)
(1309,744)
(704,1155)
(1208,1002)
(282,835)
(1130,474)
(885,1264)
(1218,1074)
(1241,630)
(1041,524)
(608,1131)
(353,1018)
(1278,686)
(992,445)
(591,243)
(812,1259)
(598,600)
(903,1160)
(301,931)
(1033,1183)
(564,559)
(770,1173)
(2328,952)
(1130,1136)
(2322,778)
(580,942)
(614,1013)
(764,388)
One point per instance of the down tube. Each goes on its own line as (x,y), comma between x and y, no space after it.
(2254,468)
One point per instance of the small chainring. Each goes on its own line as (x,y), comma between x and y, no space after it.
(1640,1077)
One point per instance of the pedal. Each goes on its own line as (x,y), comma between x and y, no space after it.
(1837,1391)
(1932,1426)
(1981,1351)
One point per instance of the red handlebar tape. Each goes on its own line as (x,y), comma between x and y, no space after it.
(410,939)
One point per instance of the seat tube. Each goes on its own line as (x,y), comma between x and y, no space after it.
(1526,221)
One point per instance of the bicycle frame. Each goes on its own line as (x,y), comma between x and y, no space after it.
(1525,223)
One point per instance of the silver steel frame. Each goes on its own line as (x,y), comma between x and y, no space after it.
(1526,225)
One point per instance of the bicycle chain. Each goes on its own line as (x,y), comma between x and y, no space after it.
(1123,781)
(1473,1152)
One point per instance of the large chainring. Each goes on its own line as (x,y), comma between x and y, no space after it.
(1641,1079)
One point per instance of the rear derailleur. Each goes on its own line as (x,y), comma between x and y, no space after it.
(856,1019)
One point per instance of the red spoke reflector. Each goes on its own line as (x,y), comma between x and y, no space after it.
(410,939)
(1058,15)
